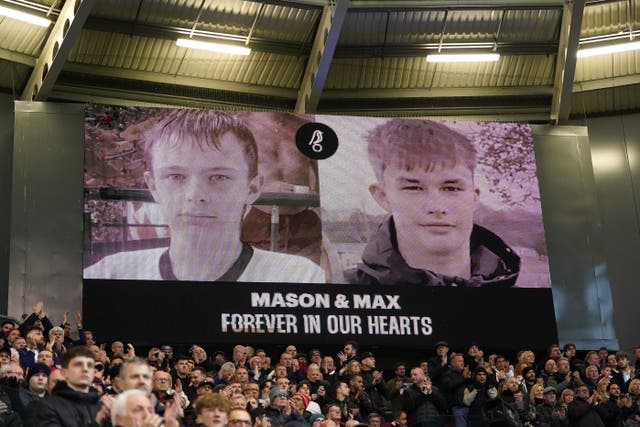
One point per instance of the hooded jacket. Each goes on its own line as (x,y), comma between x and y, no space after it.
(493,263)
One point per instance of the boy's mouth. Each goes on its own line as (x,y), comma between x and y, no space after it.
(438,227)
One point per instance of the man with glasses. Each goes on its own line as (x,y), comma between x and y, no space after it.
(280,408)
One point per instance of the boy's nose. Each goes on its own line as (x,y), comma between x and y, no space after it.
(196,192)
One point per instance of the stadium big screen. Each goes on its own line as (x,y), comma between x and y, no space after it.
(224,227)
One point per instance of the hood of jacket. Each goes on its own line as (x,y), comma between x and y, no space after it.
(493,262)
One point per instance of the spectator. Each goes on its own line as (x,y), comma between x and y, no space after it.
(592,375)
(73,402)
(374,384)
(394,386)
(348,353)
(583,410)
(550,413)
(279,409)
(564,378)
(328,368)
(476,395)
(211,410)
(611,411)
(439,363)
(133,408)
(5,356)
(625,371)
(399,420)
(35,343)
(239,418)
(423,403)
(454,382)
(341,399)
(528,378)
(536,394)
(511,394)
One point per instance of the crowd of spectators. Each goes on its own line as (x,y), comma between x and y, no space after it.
(48,377)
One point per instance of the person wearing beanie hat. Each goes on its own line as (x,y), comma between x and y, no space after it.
(277,406)
(316,417)
(300,400)
(438,363)
(477,394)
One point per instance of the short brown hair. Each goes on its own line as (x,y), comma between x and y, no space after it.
(204,128)
(410,144)
(76,351)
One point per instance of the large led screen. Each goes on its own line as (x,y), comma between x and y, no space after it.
(274,226)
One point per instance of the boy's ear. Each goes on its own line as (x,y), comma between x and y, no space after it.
(476,197)
(151,184)
(255,189)
(379,195)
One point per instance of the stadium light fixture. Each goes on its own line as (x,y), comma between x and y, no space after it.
(463,57)
(214,47)
(607,49)
(24,16)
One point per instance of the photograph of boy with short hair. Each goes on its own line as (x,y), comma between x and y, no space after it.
(425,182)
(201,167)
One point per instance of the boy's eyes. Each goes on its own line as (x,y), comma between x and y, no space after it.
(446,188)
(219,178)
(177,177)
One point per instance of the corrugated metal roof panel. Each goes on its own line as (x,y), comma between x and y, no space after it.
(425,26)
(21,37)
(603,101)
(413,73)
(163,56)
(607,66)
(608,18)
(281,22)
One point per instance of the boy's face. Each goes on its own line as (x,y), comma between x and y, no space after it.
(201,189)
(432,210)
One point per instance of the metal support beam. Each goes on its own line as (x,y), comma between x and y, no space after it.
(445,92)
(454,4)
(171,79)
(17,57)
(321,56)
(566,60)
(607,83)
(63,36)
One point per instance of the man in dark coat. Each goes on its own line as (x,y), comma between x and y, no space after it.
(584,410)
(424,404)
(73,402)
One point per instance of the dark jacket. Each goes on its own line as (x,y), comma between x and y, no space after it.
(610,413)
(551,415)
(67,407)
(453,385)
(280,418)
(493,263)
(480,395)
(522,408)
(583,414)
(427,410)
(375,391)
